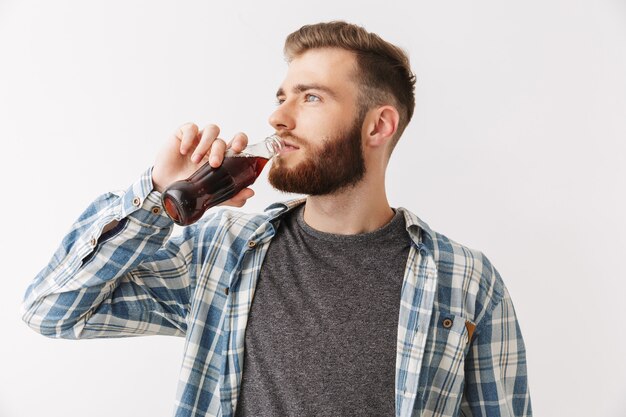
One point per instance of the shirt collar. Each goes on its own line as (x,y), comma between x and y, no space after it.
(414,225)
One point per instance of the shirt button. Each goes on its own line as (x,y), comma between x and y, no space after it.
(226,290)
(93,241)
(251,244)
(136,202)
(447,323)
(156,210)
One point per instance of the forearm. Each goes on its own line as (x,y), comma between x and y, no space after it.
(95,259)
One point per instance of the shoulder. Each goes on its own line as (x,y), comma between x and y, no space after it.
(468,284)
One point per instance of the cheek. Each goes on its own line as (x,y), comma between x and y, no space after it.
(322,121)
(310,128)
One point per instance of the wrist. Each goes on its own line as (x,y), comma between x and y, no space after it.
(156,184)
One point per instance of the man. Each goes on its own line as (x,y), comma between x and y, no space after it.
(335,305)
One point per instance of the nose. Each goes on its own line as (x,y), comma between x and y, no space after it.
(283,118)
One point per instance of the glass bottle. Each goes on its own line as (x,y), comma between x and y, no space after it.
(185,201)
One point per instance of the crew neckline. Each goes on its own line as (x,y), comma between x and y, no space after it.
(397,222)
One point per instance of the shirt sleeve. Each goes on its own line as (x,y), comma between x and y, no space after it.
(128,281)
(496,383)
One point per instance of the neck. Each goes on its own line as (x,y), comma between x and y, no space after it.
(359,209)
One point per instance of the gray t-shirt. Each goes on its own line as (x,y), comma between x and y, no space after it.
(321,335)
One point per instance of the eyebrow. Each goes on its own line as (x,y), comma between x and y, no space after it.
(301,88)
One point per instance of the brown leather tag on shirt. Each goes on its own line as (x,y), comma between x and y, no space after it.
(470,330)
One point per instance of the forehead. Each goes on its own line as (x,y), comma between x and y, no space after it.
(332,67)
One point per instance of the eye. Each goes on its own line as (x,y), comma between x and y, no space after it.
(310,98)
(279,101)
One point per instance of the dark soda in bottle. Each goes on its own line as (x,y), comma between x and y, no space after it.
(185,201)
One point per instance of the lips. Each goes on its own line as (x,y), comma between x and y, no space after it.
(289,146)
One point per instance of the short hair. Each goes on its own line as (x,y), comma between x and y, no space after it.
(384,73)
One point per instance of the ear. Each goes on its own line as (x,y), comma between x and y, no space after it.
(381,124)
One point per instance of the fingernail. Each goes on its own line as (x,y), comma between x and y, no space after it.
(214,160)
(195,158)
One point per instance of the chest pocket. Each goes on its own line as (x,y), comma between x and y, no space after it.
(442,377)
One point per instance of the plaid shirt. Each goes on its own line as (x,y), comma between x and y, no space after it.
(459,346)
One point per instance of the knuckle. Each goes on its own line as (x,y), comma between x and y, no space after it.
(240,140)
(188,131)
(187,126)
(241,137)
(209,135)
(213,129)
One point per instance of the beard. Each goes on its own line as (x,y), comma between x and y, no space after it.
(338,163)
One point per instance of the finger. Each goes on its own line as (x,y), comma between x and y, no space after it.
(239,142)
(239,199)
(218,148)
(181,129)
(189,134)
(208,135)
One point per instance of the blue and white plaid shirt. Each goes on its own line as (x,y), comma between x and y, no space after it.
(459,346)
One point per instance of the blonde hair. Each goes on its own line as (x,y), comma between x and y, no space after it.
(383,69)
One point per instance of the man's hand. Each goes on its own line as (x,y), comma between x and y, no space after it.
(188,149)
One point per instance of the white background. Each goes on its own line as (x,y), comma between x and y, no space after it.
(516,148)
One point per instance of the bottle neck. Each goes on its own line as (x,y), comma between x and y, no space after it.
(268,148)
(274,145)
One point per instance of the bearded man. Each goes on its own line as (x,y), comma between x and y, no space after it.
(333,305)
